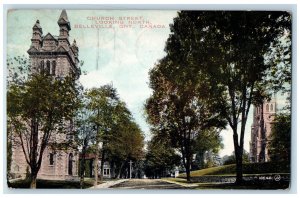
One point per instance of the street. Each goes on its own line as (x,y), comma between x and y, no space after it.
(147,184)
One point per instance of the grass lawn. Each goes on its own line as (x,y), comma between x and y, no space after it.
(248,168)
(57,184)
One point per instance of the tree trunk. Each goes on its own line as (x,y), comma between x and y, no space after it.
(102,164)
(188,169)
(96,169)
(112,169)
(33,181)
(33,158)
(120,170)
(239,166)
(238,158)
(82,169)
(96,165)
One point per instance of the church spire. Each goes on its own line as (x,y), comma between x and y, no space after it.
(63,20)
(64,28)
(37,34)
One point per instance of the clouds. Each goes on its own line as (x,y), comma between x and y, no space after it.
(124,59)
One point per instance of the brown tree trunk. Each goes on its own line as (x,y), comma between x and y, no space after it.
(120,170)
(82,169)
(102,164)
(239,166)
(188,169)
(96,169)
(33,149)
(238,158)
(33,181)
(96,164)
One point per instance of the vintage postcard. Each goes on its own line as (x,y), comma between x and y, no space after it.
(148,99)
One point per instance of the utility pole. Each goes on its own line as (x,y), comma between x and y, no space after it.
(130,164)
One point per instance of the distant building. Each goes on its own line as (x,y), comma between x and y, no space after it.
(263,117)
(56,56)
(89,166)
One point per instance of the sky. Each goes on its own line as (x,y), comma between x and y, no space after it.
(121,55)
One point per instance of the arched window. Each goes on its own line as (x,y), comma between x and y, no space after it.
(271,107)
(48,67)
(53,67)
(267,108)
(42,67)
(51,159)
(70,169)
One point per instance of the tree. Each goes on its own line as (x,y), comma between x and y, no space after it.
(101,102)
(179,108)
(125,142)
(280,138)
(229,49)
(120,137)
(161,158)
(209,140)
(85,137)
(39,107)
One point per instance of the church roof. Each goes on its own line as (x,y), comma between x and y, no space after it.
(32,49)
(63,19)
(37,26)
(63,16)
(61,49)
(49,37)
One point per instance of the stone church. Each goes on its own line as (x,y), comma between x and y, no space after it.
(263,117)
(56,56)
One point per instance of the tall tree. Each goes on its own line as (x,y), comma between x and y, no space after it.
(179,107)
(120,137)
(229,48)
(85,137)
(101,101)
(125,141)
(39,107)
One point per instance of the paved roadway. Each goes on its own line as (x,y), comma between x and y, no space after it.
(147,184)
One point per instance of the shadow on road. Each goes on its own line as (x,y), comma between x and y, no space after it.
(147,184)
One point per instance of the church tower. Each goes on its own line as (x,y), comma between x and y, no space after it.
(55,56)
(263,118)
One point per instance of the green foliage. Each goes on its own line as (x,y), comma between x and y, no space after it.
(179,107)
(223,54)
(39,107)
(231,158)
(161,158)
(122,139)
(280,138)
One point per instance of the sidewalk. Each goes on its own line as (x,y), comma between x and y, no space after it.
(109,184)
(187,185)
